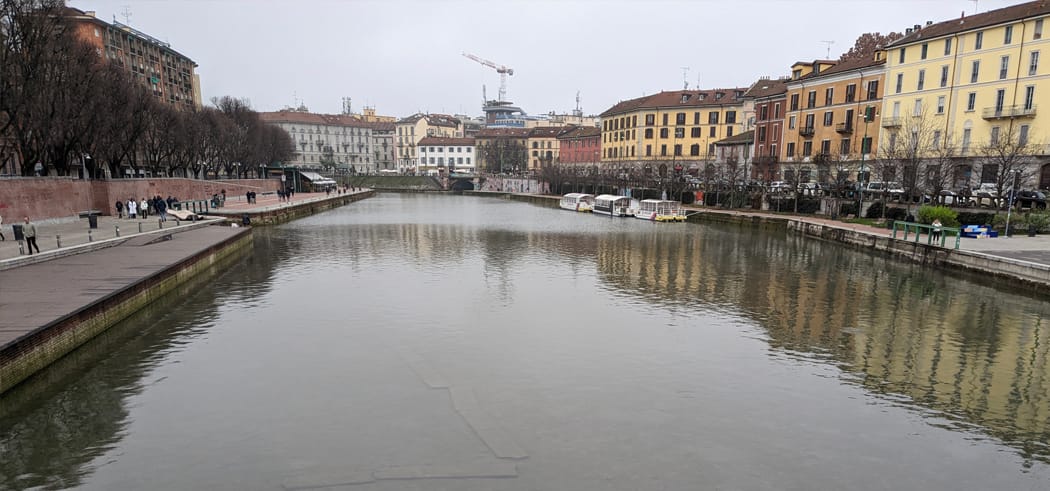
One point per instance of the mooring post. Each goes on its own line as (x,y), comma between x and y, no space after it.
(90,239)
(117,227)
(58,240)
(140,227)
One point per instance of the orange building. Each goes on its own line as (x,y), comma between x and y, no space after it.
(153,63)
(830,129)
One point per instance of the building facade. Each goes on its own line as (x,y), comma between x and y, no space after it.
(544,146)
(335,141)
(414,128)
(440,155)
(168,74)
(503,150)
(969,88)
(830,132)
(580,145)
(734,158)
(673,129)
(770,99)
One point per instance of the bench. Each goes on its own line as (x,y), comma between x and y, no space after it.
(87,213)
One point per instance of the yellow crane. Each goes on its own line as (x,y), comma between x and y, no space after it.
(502,70)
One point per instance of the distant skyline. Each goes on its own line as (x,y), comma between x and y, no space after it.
(405,56)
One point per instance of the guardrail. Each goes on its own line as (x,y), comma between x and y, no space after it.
(919,228)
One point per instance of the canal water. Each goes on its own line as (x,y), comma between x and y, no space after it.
(464,343)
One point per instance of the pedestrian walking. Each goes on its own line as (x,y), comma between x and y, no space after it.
(132,209)
(162,209)
(120,209)
(144,208)
(29,232)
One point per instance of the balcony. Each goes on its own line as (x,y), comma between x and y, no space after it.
(891,122)
(1008,112)
(844,128)
(805,130)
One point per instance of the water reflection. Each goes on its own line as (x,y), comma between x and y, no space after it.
(607,347)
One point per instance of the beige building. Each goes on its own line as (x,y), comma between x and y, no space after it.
(411,130)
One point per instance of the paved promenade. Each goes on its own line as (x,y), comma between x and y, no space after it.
(35,295)
(75,233)
(235,205)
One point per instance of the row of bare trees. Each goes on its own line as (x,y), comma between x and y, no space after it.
(63,109)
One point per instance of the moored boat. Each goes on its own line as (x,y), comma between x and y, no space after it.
(660,210)
(612,205)
(577,202)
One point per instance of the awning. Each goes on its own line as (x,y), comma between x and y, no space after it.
(316,178)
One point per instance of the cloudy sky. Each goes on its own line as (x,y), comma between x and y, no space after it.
(404,56)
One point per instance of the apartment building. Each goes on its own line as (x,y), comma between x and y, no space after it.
(770,100)
(439,155)
(336,140)
(580,145)
(414,128)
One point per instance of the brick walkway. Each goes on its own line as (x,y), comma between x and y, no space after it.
(75,233)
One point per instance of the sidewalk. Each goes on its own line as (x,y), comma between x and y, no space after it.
(74,233)
(236,205)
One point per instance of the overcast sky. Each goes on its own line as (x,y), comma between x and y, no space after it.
(404,56)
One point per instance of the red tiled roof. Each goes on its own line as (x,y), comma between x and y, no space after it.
(432,120)
(680,98)
(546,131)
(985,19)
(297,117)
(503,132)
(439,140)
(767,87)
(580,132)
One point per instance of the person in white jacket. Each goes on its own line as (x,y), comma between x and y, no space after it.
(132,208)
(144,208)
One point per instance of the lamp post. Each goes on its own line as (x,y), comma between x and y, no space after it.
(1010,201)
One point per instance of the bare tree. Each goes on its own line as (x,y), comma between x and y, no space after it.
(1008,157)
(904,150)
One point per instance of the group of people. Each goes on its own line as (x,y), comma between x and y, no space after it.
(145,207)
(285,194)
(250,195)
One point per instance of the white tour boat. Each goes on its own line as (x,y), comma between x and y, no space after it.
(613,205)
(577,202)
(660,210)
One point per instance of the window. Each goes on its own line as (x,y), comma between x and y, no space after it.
(1037,33)
(794,102)
(807,149)
(1033,64)
(679,118)
(944,76)
(696,117)
(776,132)
(1029,97)
(947,46)
(678,150)
(900,59)
(679,132)
(790,149)
(648,150)
(730,117)
(1008,35)
(925,49)
(918,108)
(712,117)
(922,80)
(650,119)
(761,134)
(936,139)
(971,101)
(1022,136)
(865,145)
(729,131)
(940,104)
(665,119)
(763,112)
(851,92)
(1004,66)
(873,90)
(694,150)
(811,99)
(776,111)
(713,130)
(900,82)
(978,41)
(975,70)
(663,150)
(829,118)
(1000,97)
(791,123)
(695,133)
(663,133)
(634,121)
(966,141)
(772,150)
(829,96)
(896,109)
(809,122)
(994,137)
(648,133)
(844,146)
(825,147)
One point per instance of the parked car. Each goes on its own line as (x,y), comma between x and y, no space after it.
(810,189)
(875,188)
(949,198)
(985,196)
(779,187)
(894,189)
(1031,199)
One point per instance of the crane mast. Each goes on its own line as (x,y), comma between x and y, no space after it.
(502,70)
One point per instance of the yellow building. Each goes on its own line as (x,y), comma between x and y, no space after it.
(673,128)
(829,130)
(964,85)
(543,146)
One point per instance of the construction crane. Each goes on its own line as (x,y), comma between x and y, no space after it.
(502,70)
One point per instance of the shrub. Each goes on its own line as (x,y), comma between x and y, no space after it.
(848,209)
(875,210)
(896,214)
(947,216)
(968,218)
(1040,220)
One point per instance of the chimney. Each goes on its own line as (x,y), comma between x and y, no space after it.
(929,23)
(907,31)
(916,27)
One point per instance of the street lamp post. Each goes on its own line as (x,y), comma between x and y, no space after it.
(1010,201)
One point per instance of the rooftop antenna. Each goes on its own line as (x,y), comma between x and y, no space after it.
(974,6)
(698,81)
(685,78)
(126,14)
(829,43)
(578,111)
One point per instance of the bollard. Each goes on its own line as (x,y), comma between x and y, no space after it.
(90,239)
(160,224)
(118,229)
(58,240)
(140,227)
